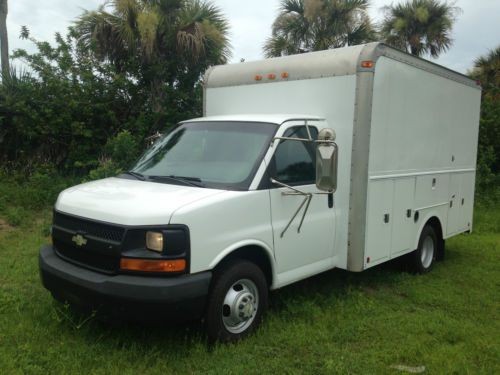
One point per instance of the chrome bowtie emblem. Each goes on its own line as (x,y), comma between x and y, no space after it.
(79,240)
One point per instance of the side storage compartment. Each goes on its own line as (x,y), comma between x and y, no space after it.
(461,203)
(453,221)
(391,228)
(379,222)
(431,191)
(403,225)
(467,188)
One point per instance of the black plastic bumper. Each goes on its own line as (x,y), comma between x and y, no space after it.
(128,296)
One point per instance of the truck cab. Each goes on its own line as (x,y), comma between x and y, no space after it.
(216,195)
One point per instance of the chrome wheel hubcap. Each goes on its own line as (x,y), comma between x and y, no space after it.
(427,252)
(240,306)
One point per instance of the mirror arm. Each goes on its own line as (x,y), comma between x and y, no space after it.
(288,186)
(301,140)
(292,139)
(306,201)
(309,199)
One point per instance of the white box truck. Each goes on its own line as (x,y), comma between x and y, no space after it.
(345,158)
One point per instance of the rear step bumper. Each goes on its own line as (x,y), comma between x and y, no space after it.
(128,296)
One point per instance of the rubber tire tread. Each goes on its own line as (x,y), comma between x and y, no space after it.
(415,259)
(226,276)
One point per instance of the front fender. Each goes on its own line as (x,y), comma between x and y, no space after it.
(245,243)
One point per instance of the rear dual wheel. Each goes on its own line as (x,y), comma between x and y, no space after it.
(237,301)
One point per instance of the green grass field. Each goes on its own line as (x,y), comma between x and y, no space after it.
(334,323)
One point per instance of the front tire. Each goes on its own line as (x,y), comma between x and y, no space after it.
(237,301)
(422,259)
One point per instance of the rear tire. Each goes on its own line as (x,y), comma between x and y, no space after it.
(237,301)
(422,259)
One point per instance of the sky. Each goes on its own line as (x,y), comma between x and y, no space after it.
(476,31)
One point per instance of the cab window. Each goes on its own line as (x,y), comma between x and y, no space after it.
(294,162)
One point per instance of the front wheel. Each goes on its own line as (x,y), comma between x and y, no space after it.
(422,259)
(237,301)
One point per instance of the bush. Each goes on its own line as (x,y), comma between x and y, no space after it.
(120,153)
(66,106)
(123,149)
(28,193)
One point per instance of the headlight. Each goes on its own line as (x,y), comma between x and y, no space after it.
(154,241)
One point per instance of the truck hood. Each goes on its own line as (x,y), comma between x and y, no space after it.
(129,202)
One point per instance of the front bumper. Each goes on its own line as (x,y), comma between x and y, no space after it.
(128,296)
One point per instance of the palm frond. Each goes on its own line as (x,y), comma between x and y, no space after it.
(311,25)
(420,26)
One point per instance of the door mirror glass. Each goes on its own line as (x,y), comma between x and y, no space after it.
(326,161)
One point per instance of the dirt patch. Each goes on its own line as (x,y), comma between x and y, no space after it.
(4,226)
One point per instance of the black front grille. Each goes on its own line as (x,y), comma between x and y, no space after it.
(106,232)
(101,250)
(88,258)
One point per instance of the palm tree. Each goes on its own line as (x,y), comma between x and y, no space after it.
(166,41)
(313,25)
(4,40)
(487,70)
(420,26)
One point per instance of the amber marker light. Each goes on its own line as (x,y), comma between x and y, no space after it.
(271,76)
(258,77)
(367,64)
(143,265)
(285,75)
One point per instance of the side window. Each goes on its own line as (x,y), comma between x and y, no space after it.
(294,162)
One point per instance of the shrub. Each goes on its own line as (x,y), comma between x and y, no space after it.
(120,153)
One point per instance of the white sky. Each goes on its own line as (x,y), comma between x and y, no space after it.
(476,31)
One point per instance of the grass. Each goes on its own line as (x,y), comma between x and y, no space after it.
(334,323)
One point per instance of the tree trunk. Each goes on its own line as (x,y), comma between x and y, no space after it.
(4,40)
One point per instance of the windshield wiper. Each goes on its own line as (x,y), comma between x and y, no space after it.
(191,181)
(136,175)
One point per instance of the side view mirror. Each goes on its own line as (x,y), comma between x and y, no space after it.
(326,161)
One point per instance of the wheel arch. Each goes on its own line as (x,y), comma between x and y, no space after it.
(255,252)
(436,223)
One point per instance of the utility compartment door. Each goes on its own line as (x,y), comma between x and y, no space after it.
(403,226)
(453,222)
(467,184)
(461,203)
(378,232)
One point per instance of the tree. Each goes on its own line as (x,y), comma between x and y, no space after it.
(313,25)
(4,39)
(63,109)
(420,26)
(166,43)
(487,71)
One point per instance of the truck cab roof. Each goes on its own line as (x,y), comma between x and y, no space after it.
(264,118)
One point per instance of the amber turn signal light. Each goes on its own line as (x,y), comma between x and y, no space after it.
(143,265)
(367,64)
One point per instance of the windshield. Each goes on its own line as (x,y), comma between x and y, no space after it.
(221,155)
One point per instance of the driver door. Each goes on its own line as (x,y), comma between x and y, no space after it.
(299,254)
